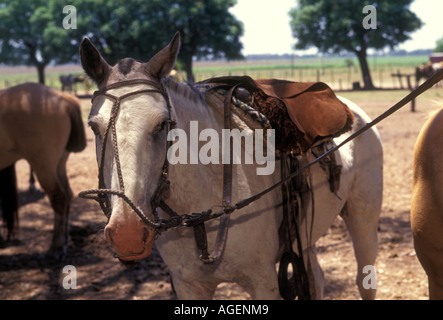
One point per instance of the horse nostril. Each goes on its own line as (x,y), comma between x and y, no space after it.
(108,235)
(145,235)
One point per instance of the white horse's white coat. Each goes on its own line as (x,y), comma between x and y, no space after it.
(250,254)
(252,244)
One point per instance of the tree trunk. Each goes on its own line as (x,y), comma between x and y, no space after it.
(187,65)
(364,67)
(41,72)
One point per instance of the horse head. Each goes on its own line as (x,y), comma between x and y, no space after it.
(128,117)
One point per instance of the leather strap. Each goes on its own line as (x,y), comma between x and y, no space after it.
(222,235)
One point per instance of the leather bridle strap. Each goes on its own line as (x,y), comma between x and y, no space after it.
(101,194)
(222,235)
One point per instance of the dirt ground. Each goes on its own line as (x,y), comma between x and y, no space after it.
(27,273)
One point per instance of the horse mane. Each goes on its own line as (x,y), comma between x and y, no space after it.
(185,90)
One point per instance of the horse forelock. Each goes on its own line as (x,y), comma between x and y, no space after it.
(125,69)
(125,65)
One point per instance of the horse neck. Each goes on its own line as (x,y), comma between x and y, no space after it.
(189,181)
(188,105)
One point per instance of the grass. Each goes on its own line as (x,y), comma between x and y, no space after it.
(10,76)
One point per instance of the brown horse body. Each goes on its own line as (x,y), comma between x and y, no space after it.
(427,202)
(42,125)
(426,71)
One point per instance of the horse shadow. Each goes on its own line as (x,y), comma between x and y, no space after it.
(29,196)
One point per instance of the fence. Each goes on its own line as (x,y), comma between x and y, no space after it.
(338,78)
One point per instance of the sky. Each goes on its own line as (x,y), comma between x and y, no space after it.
(267,30)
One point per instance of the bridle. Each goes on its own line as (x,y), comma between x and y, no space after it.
(197,220)
(101,194)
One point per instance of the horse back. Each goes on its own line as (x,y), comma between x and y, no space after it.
(33,112)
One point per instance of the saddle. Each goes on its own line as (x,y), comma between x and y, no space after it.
(301,112)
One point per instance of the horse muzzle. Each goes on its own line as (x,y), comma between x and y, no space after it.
(130,241)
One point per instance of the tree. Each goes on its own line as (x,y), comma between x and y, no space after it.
(207,30)
(21,34)
(439,45)
(335,26)
(140,28)
(32,31)
(29,35)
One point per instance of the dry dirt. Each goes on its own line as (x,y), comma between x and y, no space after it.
(27,273)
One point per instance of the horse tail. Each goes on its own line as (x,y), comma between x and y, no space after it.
(77,138)
(9,200)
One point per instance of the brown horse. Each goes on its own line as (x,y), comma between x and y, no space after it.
(427,202)
(426,71)
(41,125)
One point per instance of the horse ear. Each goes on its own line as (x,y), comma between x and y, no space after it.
(93,63)
(162,63)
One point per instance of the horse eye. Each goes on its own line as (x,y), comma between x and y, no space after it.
(159,128)
(94,128)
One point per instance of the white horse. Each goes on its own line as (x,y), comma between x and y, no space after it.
(250,255)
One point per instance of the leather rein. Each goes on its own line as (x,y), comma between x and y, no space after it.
(197,220)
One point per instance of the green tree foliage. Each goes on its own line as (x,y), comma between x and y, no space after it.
(207,30)
(31,31)
(22,39)
(335,26)
(439,45)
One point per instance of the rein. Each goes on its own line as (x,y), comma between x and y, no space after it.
(197,220)
(243,203)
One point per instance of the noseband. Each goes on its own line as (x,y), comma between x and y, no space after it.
(101,194)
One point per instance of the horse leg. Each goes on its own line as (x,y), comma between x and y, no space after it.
(261,282)
(315,274)
(31,180)
(429,253)
(426,226)
(362,223)
(193,290)
(54,181)
(362,209)
(9,200)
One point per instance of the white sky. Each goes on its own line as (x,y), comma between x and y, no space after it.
(267,30)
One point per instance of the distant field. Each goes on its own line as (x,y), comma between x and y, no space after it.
(338,72)
(10,76)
